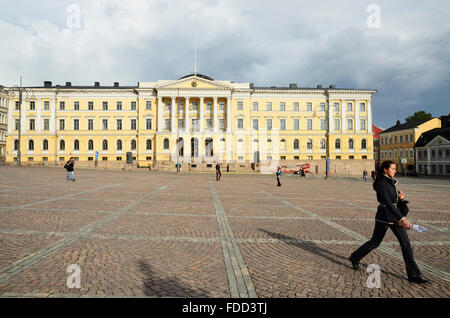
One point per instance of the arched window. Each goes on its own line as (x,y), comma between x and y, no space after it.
(105,144)
(62,145)
(323,144)
(209,147)
(30,144)
(76,145)
(309,145)
(283,144)
(296,144)
(149,144)
(337,144)
(269,144)
(350,143)
(166,143)
(133,144)
(16,144)
(45,144)
(91,145)
(363,144)
(119,144)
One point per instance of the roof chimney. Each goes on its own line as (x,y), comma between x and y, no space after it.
(116,84)
(398,123)
(68,84)
(332,86)
(47,84)
(319,86)
(293,85)
(445,121)
(252,86)
(97,84)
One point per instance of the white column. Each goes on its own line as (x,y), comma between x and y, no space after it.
(173,109)
(215,122)
(202,115)
(357,116)
(343,120)
(53,116)
(186,114)
(160,114)
(228,113)
(10,123)
(369,117)
(38,123)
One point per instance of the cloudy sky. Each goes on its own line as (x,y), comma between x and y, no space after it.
(400,48)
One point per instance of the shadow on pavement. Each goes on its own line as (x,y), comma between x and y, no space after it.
(165,287)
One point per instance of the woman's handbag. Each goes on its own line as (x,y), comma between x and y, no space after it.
(403,206)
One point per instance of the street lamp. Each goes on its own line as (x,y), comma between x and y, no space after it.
(327,137)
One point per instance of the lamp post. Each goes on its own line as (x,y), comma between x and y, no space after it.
(327,133)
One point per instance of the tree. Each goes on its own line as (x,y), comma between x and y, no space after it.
(418,116)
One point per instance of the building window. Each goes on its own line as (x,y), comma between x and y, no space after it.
(119,105)
(323,144)
(76,145)
(46,105)
(296,144)
(221,105)
(363,144)
(296,106)
(104,158)
(90,105)
(240,123)
(350,143)
(62,145)
(322,107)
(362,107)
(90,124)
(209,106)
(351,157)
(338,157)
(105,105)
(32,105)
(166,144)
(118,158)
(364,157)
(195,105)
(16,144)
(32,124)
(336,106)
(76,124)
(133,124)
(350,124)
(30,145)
(308,107)
(222,123)
(17,105)
(76,105)
(349,107)
(148,104)
(255,124)
(62,105)
(167,123)
(255,105)
(133,144)
(133,105)
(269,124)
(119,144)
(282,124)
(269,106)
(337,124)
(62,124)
(282,106)
(362,123)
(240,105)
(411,138)
(105,144)
(322,124)
(119,124)
(309,124)
(16,124)
(149,144)
(296,124)
(105,124)
(411,153)
(337,144)
(395,139)
(309,144)
(167,105)
(45,145)
(90,144)
(181,123)
(148,123)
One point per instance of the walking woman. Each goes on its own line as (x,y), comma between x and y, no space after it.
(389,216)
(69,167)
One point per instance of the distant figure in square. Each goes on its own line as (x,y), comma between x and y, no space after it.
(178,166)
(69,167)
(302,173)
(278,173)
(373,175)
(365,175)
(218,173)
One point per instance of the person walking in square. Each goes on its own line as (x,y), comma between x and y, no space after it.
(218,173)
(278,173)
(302,173)
(69,167)
(365,175)
(389,216)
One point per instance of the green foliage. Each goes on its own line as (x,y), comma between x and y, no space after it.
(418,116)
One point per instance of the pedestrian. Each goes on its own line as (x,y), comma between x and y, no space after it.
(178,166)
(69,167)
(365,175)
(302,173)
(389,216)
(373,175)
(218,173)
(278,173)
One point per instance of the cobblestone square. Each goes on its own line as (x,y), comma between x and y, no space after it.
(158,234)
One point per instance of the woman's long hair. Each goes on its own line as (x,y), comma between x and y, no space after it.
(380,172)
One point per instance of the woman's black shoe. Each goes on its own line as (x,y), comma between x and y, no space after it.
(418,280)
(355,265)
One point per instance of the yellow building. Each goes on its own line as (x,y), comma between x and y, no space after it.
(397,142)
(3,122)
(237,124)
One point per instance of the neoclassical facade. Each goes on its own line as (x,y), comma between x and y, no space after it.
(3,122)
(194,120)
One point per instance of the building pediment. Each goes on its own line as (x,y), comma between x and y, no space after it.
(438,141)
(193,82)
